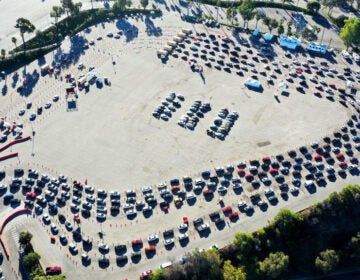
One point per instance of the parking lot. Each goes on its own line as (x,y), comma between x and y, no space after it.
(113,142)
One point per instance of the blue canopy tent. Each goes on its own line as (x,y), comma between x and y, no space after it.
(256,32)
(289,42)
(268,37)
(317,48)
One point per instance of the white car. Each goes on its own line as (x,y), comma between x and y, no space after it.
(182,226)
(183,236)
(168,241)
(47,105)
(153,238)
(46,218)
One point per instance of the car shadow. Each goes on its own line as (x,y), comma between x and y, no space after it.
(122,263)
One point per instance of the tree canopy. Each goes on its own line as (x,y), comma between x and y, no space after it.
(120,5)
(232,273)
(246,10)
(313,6)
(25,238)
(144,3)
(350,33)
(25,26)
(327,261)
(274,265)
(31,259)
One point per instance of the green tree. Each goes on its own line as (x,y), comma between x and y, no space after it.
(275,265)
(204,265)
(327,261)
(218,5)
(267,21)
(353,249)
(333,3)
(25,238)
(3,52)
(280,29)
(244,243)
(37,274)
(56,13)
(246,10)
(144,3)
(120,5)
(350,33)
(31,259)
(230,13)
(232,273)
(25,26)
(14,41)
(76,8)
(288,223)
(313,6)
(257,18)
(273,24)
(68,6)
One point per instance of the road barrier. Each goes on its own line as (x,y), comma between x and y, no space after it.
(8,156)
(20,140)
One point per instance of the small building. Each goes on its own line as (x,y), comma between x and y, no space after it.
(289,42)
(317,48)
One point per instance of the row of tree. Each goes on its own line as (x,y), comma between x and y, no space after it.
(320,240)
(31,259)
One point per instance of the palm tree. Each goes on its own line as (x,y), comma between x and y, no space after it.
(25,26)
(56,13)
(14,41)
(25,238)
(257,18)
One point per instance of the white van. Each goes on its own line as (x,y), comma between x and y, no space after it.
(165,265)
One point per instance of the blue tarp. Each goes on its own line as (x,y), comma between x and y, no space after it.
(256,32)
(268,36)
(252,83)
(289,42)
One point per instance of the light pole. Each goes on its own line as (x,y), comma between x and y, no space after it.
(33,143)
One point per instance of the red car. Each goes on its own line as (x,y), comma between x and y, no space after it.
(30,195)
(175,189)
(150,248)
(207,192)
(266,159)
(233,216)
(249,177)
(343,165)
(340,156)
(273,171)
(53,270)
(241,172)
(318,158)
(227,209)
(136,242)
(185,220)
(145,274)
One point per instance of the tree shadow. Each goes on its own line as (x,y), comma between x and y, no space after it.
(130,31)
(151,29)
